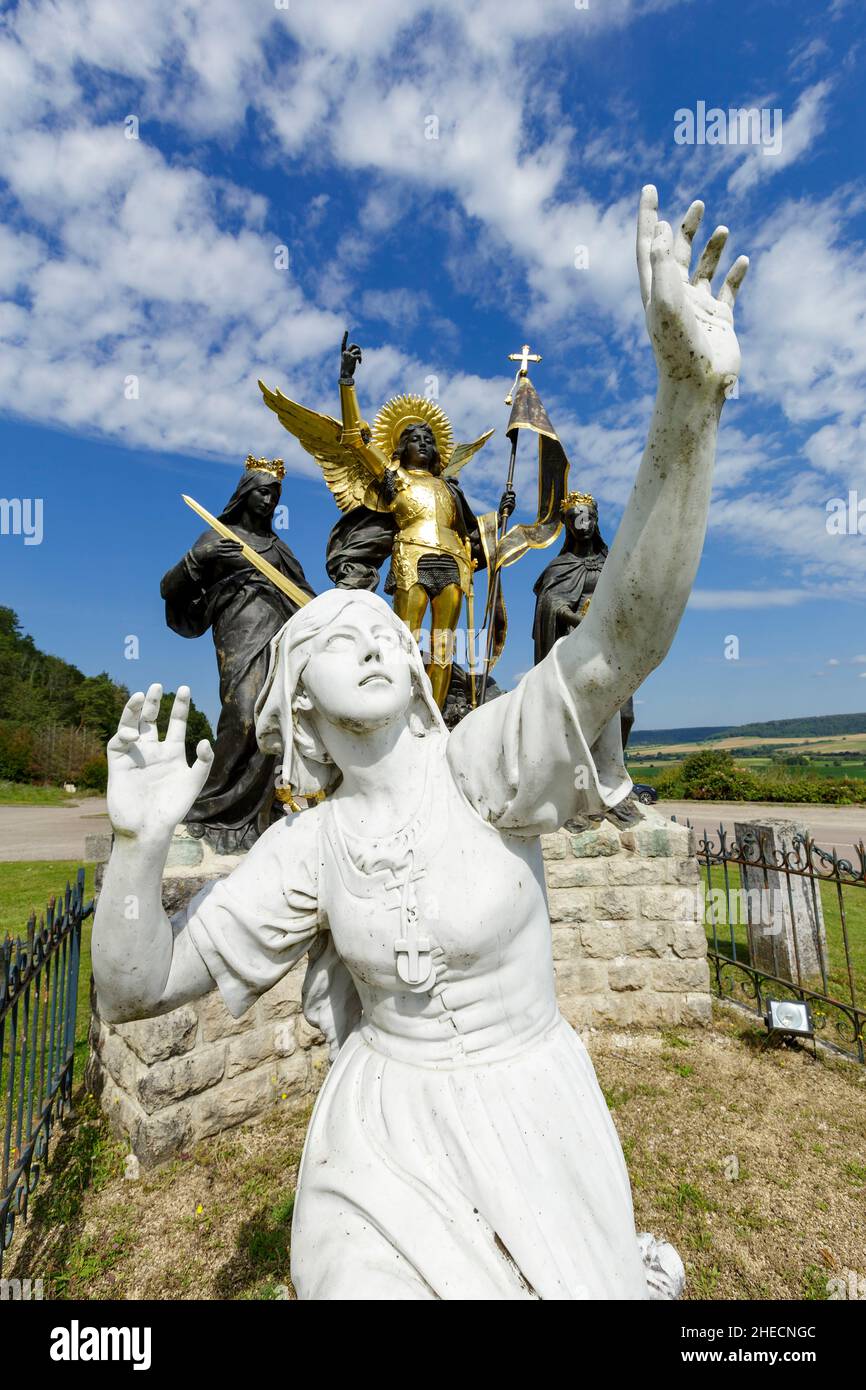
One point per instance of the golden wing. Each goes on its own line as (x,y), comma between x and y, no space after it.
(462,453)
(346,474)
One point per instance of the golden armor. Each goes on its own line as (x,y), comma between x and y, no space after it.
(362,467)
(426,516)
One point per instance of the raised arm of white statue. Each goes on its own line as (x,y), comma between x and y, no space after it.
(139,967)
(649,573)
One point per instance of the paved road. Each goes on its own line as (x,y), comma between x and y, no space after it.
(842,826)
(50,832)
(57,832)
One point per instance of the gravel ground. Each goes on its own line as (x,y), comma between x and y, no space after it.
(753,1163)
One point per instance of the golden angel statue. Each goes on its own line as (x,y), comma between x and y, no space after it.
(396,483)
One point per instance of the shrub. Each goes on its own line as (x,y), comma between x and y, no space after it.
(94,775)
(712,775)
(667,784)
(16,752)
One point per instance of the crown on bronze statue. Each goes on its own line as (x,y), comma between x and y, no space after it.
(577,499)
(275,467)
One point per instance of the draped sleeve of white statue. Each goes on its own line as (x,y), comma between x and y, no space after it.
(251,927)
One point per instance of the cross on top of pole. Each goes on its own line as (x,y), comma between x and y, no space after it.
(524,357)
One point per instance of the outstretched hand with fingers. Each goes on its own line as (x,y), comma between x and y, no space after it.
(150,784)
(691,330)
(350,358)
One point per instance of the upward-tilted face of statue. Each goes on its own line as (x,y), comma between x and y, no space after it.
(358,673)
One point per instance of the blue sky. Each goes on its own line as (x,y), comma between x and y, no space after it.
(305,125)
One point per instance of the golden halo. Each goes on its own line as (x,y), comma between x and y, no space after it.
(401,411)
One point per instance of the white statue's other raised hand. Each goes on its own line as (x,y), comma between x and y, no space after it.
(691,330)
(150,784)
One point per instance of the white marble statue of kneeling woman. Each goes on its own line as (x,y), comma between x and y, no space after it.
(460,1147)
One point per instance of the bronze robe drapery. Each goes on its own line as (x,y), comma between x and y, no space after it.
(244,611)
(558,591)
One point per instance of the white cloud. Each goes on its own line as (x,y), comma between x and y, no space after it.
(804,314)
(799,131)
(790,525)
(147,284)
(121,262)
(807,54)
(803,331)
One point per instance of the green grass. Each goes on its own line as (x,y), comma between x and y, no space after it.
(814,1284)
(28,886)
(25,887)
(84,1158)
(837,770)
(854,900)
(24,794)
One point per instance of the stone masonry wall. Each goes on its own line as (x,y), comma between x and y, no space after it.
(165,1083)
(627,945)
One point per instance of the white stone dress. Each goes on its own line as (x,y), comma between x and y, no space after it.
(460,1147)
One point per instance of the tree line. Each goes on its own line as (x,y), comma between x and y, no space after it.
(55,721)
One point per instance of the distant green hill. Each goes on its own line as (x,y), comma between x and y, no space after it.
(696,735)
(810,726)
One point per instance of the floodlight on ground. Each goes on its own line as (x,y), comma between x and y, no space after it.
(789,1018)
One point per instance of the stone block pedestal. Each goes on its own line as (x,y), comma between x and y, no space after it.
(628,948)
(167,1082)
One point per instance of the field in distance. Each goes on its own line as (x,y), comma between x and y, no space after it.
(821,747)
(755,765)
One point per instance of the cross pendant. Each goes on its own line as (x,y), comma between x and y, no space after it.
(413,958)
(414,962)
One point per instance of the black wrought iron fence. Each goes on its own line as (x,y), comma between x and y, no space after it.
(788,923)
(38,1001)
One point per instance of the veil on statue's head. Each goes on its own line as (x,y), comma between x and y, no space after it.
(290,733)
(249,480)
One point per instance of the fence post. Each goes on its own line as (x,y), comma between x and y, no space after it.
(38,983)
(788,938)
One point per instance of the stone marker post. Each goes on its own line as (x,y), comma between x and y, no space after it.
(785,919)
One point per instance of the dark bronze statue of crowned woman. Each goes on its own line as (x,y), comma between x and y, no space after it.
(564,589)
(215,587)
